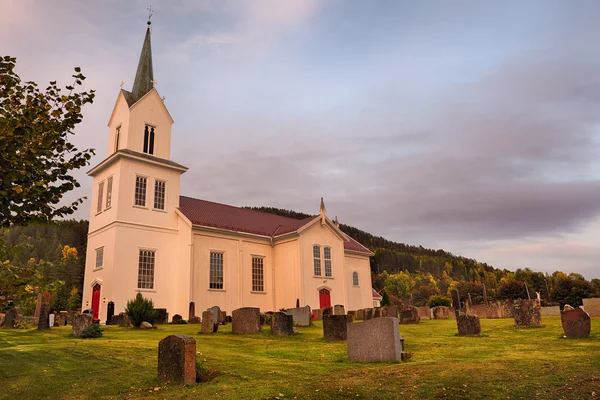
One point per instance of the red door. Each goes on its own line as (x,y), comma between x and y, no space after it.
(96,301)
(324,298)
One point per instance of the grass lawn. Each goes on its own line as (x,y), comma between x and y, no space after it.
(504,363)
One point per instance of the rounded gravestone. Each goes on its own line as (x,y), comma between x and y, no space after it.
(177,359)
(207,322)
(576,322)
(245,321)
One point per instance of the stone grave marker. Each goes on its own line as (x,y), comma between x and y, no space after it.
(282,324)
(38,308)
(339,310)
(441,312)
(208,325)
(177,360)
(360,314)
(216,313)
(110,311)
(61,319)
(300,315)
(51,319)
(176,319)
(527,313)
(122,320)
(192,310)
(351,316)
(318,313)
(335,327)
(468,325)
(391,311)
(368,314)
(44,319)
(576,322)
(378,312)
(162,316)
(195,320)
(9,318)
(409,315)
(456,301)
(374,340)
(223,318)
(245,321)
(80,322)
(327,311)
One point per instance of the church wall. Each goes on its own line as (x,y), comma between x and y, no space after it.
(323,236)
(250,298)
(120,117)
(360,296)
(106,216)
(150,110)
(287,285)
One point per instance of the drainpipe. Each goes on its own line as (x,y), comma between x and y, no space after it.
(273,268)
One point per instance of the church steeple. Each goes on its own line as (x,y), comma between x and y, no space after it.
(144,76)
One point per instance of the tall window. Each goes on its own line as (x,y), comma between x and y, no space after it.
(109,192)
(258,281)
(317,257)
(149,139)
(159,194)
(99,257)
(327,257)
(355,278)
(100,194)
(146,269)
(216,271)
(140,191)
(117,137)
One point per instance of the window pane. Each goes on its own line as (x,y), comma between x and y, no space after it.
(216,271)
(355,278)
(317,260)
(327,256)
(159,195)
(146,269)
(140,191)
(109,192)
(100,194)
(146,133)
(99,257)
(258,274)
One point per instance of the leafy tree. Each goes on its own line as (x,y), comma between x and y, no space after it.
(436,301)
(140,309)
(571,290)
(37,156)
(421,295)
(385,299)
(512,290)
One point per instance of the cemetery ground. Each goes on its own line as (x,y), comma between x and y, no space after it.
(506,362)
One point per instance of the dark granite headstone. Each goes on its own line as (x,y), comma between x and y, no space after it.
(162,316)
(391,311)
(223,319)
(327,311)
(409,315)
(195,320)
(282,324)
(576,322)
(335,327)
(10,317)
(192,310)
(368,314)
(360,314)
(62,319)
(527,313)
(176,319)
(351,316)
(207,322)
(177,360)
(44,321)
(377,312)
(468,325)
(110,311)
(80,322)
(246,320)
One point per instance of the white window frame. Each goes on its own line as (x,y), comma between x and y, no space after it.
(100,253)
(317,261)
(109,186)
(256,289)
(117,137)
(327,262)
(164,193)
(100,197)
(135,191)
(355,282)
(151,136)
(222,253)
(154,251)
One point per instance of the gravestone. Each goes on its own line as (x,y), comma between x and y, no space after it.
(38,308)
(110,311)
(360,314)
(216,312)
(300,315)
(456,302)
(391,311)
(368,314)
(146,325)
(195,320)
(441,312)
(335,327)
(409,315)
(378,312)
(177,360)
(208,325)
(9,318)
(223,319)
(162,316)
(176,319)
(80,322)
(351,316)
(576,322)
(51,319)
(327,311)
(192,310)
(374,340)
(44,320)
(318,313)
(263,320)
(338,309)
(282,324)
(527,313)
(468,325)
(62,319)
(246,321)
(122,320)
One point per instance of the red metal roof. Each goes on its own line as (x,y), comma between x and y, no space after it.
(376,295)
(237,219)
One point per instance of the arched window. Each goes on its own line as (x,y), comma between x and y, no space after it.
(355,278)
(317,259)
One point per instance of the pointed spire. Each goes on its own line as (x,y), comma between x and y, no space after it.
(144,77)
(322,210)
(335,221)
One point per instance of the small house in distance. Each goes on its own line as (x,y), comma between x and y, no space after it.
(144,236)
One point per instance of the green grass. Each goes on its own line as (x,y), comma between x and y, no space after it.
(504,363)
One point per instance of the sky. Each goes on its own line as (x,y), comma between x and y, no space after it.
(468,126)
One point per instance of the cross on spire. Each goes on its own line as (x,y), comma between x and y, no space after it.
(150,12)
